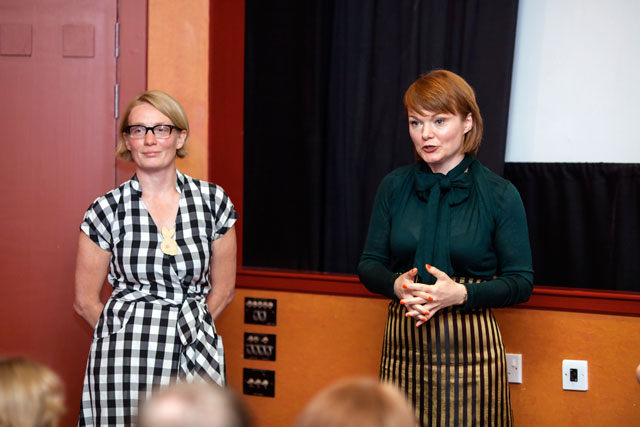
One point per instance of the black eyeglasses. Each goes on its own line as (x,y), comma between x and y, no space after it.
(160,131)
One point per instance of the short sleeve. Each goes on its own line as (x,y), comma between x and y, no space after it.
(97,220)
(224,214)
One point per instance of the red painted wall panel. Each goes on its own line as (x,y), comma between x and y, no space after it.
(58,127)
(226,102)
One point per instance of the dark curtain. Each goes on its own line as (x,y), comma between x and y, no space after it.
(324,119)
(584,222)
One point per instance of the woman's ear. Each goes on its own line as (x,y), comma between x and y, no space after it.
(125,138)
(181,139)
(468,123)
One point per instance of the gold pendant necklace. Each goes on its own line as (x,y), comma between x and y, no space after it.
(168,245)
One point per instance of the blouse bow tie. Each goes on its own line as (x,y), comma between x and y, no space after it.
(439,192)
(456,185)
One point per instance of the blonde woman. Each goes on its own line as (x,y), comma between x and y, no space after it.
(31,395)
(167,244)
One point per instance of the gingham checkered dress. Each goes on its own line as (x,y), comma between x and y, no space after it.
(155,328)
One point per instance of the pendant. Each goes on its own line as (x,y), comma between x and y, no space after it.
(168,245)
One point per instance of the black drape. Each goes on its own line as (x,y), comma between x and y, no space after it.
(324,120)
(584,222)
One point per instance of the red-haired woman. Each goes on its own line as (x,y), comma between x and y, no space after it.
(447,242)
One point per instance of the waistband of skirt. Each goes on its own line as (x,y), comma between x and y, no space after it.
(468,280)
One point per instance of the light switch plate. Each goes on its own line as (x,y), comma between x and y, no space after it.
(514,368)
(575,375)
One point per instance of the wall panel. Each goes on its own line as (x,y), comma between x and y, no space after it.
(321,338)
(178,63)
(57,78)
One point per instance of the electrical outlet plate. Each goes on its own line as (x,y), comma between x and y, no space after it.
(514,368)
(575,375)
(259,346)
(259,382)
(260,311)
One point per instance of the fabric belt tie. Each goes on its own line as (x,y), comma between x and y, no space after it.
(440,192)
(194,336)
(192,307)
(190,317)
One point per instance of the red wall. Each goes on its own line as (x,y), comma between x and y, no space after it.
(57,116)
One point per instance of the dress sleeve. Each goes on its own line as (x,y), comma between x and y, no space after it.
(97,220)
(373,268)
(224,213)
(514,281)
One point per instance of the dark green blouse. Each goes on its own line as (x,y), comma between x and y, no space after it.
(469,223)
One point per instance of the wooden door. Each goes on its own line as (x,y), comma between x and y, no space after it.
(57,77)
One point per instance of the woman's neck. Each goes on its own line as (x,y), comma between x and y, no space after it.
(448,165)
(157,182)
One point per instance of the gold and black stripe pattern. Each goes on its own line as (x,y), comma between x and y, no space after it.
(452,368)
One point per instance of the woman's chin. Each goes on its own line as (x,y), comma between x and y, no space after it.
(154,163)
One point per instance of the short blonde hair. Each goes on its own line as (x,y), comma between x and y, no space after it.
(31,395)
(442,91)
(358,402)
(163,103)
(199,404)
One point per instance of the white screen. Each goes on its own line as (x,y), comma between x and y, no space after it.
(575,93)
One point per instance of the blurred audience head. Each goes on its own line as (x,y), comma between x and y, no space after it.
(31,395)
(358,402)
(193,405)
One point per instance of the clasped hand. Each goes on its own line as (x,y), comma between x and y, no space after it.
(424,301)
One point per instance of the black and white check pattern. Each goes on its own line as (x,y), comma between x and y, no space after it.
(155,328)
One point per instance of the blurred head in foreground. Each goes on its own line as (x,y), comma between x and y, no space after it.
(194,405)
(358,402)
(31,395)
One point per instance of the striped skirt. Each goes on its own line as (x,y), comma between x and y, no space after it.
(452,368)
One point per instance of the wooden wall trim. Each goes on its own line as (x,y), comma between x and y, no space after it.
(306,282)
(585,301)
(544,297)
(226,102)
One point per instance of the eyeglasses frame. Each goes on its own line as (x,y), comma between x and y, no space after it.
(149,128)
